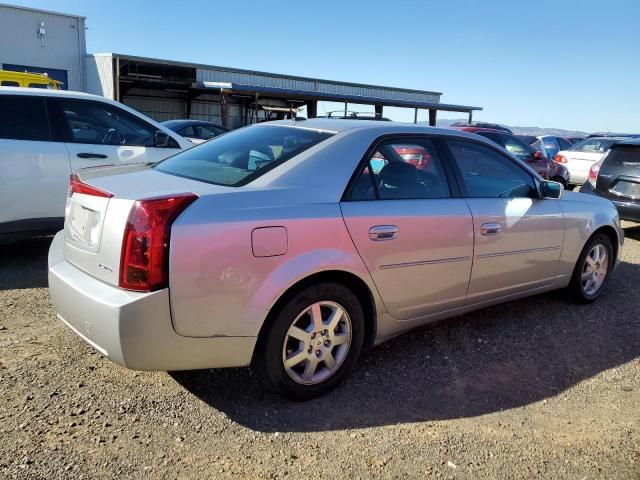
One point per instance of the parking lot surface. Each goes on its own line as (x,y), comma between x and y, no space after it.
(537,388)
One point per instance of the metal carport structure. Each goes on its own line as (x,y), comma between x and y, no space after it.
(166,89)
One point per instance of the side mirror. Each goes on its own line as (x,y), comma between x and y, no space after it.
(549,189)
(161,139)
(538,155)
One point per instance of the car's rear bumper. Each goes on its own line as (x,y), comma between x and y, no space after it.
(134,329)
(627,210)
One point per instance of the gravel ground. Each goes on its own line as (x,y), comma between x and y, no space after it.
(538,388)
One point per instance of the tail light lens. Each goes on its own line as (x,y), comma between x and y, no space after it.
(560,159)
(145,245)
(78,186)
(593,174)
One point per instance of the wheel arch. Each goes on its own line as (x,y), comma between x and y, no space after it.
(611,233)
(350,280)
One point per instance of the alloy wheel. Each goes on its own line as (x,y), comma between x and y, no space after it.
(594,270)
(317,343)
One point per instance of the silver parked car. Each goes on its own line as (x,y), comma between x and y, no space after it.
(291,246)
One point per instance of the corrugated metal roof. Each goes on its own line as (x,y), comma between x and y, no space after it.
(338,97)
(255,72)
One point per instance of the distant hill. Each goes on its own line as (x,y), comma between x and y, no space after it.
(536,131)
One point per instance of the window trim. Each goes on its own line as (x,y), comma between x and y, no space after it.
(449,174)
(535,178)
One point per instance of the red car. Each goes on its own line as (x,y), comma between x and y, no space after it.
(412,154)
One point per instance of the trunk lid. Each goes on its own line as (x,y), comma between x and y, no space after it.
(94,224)
(619,175)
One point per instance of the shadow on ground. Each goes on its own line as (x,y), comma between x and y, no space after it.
(24,264)
(498,358)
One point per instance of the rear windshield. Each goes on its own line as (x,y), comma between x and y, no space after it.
(593,145)
(241,156)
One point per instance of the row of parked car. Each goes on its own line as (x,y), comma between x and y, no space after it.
(46,135)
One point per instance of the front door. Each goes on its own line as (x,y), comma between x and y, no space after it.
(518,236)
(97,133)
(34,170)
(414,237)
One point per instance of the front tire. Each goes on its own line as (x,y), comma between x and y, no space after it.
(591,272)
(312,342)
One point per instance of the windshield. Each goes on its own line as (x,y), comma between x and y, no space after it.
(593,145)
(241,156)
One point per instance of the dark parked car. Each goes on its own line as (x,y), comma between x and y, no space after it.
(196,131)
(493,126)
(525,152)
(617,177)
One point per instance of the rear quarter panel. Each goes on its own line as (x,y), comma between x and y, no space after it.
(219,288)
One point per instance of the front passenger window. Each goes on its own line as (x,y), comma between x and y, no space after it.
(102,124)
(488,174)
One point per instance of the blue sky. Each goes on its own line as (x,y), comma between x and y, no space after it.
(568,64)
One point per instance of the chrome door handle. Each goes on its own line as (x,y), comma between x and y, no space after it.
(489,229)
(383,232)
(91,155)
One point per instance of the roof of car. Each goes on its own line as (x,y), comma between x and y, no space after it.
(45,92)
(340,125)
(626,142)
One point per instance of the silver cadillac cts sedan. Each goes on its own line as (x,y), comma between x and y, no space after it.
(292,246)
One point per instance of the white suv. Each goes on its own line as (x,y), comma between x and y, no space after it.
(46,135)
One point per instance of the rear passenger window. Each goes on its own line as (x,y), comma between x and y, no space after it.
(488,174)
(23,118)
(401,169)
(9,83)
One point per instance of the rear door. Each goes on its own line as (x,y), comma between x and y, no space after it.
(98,133)
(411,228)
(518,236)
(34,170)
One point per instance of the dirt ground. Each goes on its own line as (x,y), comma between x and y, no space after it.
(538,388)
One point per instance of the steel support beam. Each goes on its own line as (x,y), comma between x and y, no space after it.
(432,117)
(470,116)
(312,109)
(415,115)
(379,109)
(224,111)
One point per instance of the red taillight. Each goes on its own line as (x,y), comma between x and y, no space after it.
(145,245)
(78,186)
(560,159)
(593,174)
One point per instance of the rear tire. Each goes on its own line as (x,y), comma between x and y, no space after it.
(592,269)
(312,342)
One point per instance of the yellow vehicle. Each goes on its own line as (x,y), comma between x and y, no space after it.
(31,80)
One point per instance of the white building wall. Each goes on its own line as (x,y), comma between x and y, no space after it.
(99,75)
(62,47)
